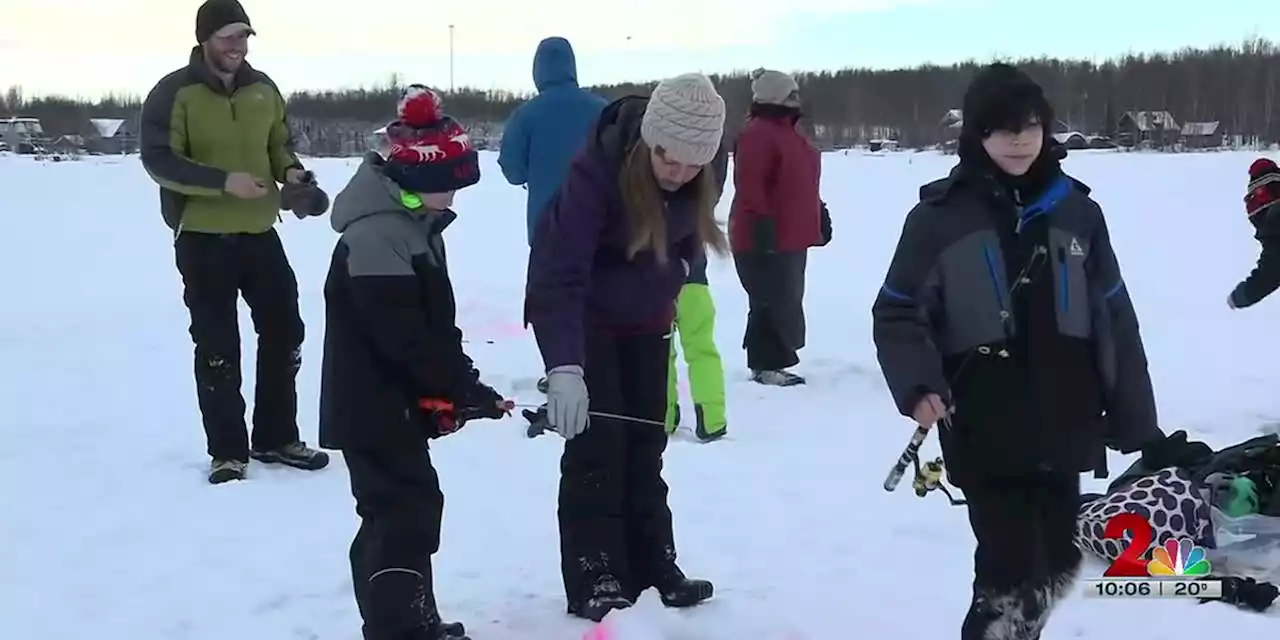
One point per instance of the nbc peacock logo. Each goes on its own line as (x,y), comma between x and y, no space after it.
(1178,558)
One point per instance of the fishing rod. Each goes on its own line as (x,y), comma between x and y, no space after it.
(539,423)
(929,477)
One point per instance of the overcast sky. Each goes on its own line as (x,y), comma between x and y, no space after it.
(91,47)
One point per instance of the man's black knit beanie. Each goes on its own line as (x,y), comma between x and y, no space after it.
(216,14)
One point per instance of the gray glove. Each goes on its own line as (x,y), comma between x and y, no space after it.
(567,400)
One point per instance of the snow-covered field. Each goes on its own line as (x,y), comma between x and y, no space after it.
(110,531)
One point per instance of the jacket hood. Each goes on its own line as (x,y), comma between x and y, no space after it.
(618,128)
(554,64)
(372,193)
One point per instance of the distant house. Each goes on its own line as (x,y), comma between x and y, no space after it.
(332,137)
(949,126)
(112,136)
(22,135)
(68,144)
(1148,129)
(877,145)
(1202,135)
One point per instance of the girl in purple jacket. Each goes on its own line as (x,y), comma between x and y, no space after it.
(608,258)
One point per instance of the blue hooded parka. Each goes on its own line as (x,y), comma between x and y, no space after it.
(542,136)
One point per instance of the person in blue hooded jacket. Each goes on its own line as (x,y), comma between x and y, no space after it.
(542,135)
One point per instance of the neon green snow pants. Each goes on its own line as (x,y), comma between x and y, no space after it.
(695,325)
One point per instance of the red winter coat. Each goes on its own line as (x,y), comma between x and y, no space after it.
(775,179)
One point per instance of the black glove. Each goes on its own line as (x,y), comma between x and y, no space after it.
(482,401)
(305,198)
(1247,593)
(442,417)
(1175,451)
(766,235)
(825,227)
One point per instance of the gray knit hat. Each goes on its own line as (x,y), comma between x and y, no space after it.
(685,117)
(774,87)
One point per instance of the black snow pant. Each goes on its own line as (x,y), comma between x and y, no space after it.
(774,283)
(615,525)
(400,506)
(216,269)
(1026,557)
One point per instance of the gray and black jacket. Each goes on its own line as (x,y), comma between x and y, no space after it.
(391,337)
(1017,315)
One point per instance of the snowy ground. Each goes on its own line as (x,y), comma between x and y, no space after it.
(110,530)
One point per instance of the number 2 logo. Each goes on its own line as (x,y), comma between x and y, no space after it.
(1130,563)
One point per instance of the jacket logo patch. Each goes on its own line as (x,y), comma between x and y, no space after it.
(1075,248)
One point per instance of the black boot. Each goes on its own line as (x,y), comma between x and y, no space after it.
(701,429)
(1011,613)
(440,630)
(606,596)
(687,593)
(679,591)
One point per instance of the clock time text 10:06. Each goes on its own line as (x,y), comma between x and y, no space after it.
(1152,588)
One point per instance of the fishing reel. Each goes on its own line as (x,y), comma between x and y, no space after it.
(929,477)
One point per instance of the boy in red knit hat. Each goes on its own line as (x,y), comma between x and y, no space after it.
(1259,203)
(394,374)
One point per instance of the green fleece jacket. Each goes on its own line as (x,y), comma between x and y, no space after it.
(196,129)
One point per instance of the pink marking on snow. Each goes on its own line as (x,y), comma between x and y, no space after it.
(599,632)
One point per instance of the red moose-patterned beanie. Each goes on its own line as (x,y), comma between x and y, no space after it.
(427,151)
(1264,186)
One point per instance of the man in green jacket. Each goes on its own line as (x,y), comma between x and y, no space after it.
(214,137)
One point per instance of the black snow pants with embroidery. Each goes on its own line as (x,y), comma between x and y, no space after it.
(1026,556)
(615,525)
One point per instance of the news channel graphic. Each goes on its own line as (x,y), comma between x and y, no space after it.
(1124,588)
(1176,569)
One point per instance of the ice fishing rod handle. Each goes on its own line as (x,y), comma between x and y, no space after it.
(908,454)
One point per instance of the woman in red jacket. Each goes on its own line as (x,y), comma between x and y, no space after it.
(776,216)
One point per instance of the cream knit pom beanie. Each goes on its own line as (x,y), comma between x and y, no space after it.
(774,87)
(685,117)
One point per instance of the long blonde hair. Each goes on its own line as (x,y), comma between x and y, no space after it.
(642,198)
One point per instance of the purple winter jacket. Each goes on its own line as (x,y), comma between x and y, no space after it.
(579,274)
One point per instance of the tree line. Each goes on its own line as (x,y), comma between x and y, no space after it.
(1236,85)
